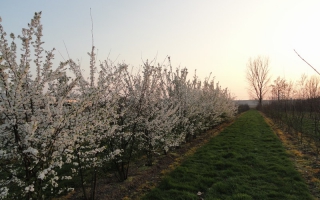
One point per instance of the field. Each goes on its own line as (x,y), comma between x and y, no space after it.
(245,161)
(121,132)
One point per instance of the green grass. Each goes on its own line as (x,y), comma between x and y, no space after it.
(245,161)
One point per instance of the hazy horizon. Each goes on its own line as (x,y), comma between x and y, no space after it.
(207,36)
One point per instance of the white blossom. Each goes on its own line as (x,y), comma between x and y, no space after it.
(32,151)
(4,191)
(29,188)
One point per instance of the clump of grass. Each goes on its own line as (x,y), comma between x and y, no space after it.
(245,161)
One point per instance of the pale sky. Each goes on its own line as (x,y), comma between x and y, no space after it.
(210,36)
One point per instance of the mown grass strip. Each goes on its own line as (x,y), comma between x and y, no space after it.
(245,161)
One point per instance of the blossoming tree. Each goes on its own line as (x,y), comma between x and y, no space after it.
(54,127)
(34,139)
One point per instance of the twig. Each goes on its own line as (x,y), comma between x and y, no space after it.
(306,61)
(66,49)
(91,28)
(61,56)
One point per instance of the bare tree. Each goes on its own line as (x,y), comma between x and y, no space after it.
(281,89)
(258,77)
(312,87)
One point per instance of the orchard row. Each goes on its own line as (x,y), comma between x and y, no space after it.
(55,119)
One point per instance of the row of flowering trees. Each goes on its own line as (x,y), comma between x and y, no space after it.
(50,121)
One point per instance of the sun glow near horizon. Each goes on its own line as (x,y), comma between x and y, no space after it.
(207,36)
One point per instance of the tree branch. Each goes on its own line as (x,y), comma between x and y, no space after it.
(306,61)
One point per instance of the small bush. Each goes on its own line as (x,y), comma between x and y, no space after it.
(242,108)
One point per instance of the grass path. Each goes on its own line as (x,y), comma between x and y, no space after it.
(245,161)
